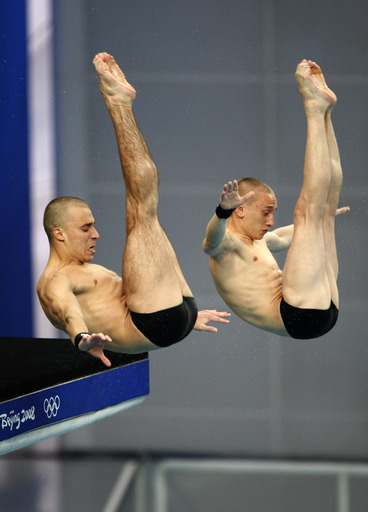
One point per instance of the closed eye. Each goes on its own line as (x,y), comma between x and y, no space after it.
(86,227)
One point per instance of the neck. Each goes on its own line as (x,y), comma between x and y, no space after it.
(235,225)
(58,258)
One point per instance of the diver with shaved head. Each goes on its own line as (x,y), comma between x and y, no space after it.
(302,301)
(151,305)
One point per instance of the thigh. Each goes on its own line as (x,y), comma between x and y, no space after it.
(305,280)
(149,275)
(332,266)
(184,287)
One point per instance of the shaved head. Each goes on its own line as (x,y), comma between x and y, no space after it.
(248,184)
(56,213)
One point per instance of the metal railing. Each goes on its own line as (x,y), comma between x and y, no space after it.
(342,472)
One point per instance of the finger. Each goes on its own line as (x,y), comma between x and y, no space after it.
(214,311)
(221,313)
(97,351)
(247,196)
(220,320)
(105,360)
(216,318)
(344,209)
(209,328)
(101,337)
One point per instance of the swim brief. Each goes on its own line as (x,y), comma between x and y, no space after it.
(305,324)
(168,326)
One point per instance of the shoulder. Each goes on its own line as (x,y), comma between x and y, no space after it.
(229,244)
(52,280)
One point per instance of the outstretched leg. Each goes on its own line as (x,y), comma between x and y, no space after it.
(306,281)
(152,277)
(332,266)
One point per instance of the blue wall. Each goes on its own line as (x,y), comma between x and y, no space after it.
(15,258)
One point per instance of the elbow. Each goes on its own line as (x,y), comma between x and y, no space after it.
(205,246)
(208,248)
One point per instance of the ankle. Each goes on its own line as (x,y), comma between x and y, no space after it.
(314,107)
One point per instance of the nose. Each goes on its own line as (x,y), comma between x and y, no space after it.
(270,221)
(95,233)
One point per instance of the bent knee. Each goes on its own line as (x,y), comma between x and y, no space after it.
(142,195)
(143,181)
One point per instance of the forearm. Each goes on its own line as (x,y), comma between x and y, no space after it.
(280,239)
(285,234)
(74,326)
(61,305)
(71,318)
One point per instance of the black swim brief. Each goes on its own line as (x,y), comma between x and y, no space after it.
(305,324)
(168,326)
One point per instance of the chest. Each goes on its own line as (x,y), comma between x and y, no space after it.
(248,264)
(94,279)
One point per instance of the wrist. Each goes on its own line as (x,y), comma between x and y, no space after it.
(78,338)
(223,214)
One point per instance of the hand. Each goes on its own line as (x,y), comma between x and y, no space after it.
(230,198)
(94,345)
(344,209)
(210,315)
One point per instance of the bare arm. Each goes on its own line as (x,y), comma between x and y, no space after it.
(215,235)
(63,310)
(281,238)
(61,305)
(216,228)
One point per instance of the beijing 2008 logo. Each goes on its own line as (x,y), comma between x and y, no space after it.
(51,406)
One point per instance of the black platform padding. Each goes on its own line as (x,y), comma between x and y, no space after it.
(31,364)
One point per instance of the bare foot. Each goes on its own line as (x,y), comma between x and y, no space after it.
(312,85)
(113,84)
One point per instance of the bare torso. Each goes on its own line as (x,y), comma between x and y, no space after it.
(101,298)
(249,280)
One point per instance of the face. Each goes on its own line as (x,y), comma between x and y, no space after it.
(259,215)
(80,235)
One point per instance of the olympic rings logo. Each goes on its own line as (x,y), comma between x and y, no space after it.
(51,406)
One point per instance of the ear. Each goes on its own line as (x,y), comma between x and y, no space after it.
(240,211)
(59,234)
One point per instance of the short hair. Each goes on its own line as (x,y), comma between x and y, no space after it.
(56,213)
(248,184)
